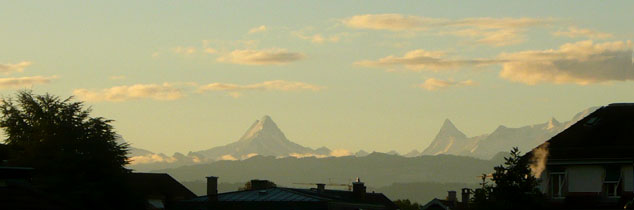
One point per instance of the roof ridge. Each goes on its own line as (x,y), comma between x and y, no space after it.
(297,190)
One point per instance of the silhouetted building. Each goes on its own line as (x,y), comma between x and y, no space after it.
(265,197)
(589,165)
(451,202)
(17,191)
(160,190)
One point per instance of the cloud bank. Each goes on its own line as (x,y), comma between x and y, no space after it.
(261,57)
(484,30)
(16,82)
(580,63)
(574,32)
(17,67)
(163,92)
(258,29)
(433,84)
(418,60)
(274,85)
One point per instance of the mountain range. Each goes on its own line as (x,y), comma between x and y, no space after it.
(265,138)
(262,138)
(452,141)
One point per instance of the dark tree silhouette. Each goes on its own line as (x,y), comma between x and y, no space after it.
(75,156)
(406,204)
(515,186)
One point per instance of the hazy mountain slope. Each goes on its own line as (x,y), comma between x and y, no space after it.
(422,192)
(450,140)
(262,138)
(376,169)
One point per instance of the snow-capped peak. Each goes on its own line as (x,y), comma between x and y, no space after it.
(553,123)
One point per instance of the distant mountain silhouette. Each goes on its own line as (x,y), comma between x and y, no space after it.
(262,138)
(376,169)
(450,140)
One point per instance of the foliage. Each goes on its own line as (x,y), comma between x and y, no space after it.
(266,184)
(75,156)
(515,186)
(407,205)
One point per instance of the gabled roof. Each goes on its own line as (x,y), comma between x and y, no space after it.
(606,134)
(437,202)
(348,196)
(158,183)
(280,194)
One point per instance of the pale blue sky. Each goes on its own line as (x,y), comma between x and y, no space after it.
(334,90)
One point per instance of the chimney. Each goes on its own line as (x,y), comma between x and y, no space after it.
(212,188)
(321,187)
(358,189)
(466,195)
(452,197)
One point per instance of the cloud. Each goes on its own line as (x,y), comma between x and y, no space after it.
(161,92)
(340,153)
(418,60)
(151,158)
(258,29)
(261,57)
(318,38)
(334,153)
(210,50)
(486,30)
(17,67)
(487,22)
(16,82)
(574,32)
(275,85)
(580,63)
(228,157)
(496,37)
(433,84)
(392,22)
(398,22)
(184,50)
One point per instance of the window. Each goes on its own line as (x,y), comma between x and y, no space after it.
(557,181)
(611,182)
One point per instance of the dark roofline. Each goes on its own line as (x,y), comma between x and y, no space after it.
(292,190)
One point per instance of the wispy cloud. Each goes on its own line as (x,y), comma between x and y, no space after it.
(17,82)
(418,60)
(279,85)
(574,32)
(485,30)
(494,37)
(275,85)
(318,38)
(392,22)
(258,29)
(581,63)
(184,50)
(13,67)
(163,92)
(433,84)
(261,57)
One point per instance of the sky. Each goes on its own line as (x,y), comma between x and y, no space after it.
(374,75)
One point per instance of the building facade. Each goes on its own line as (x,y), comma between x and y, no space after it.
(590,164)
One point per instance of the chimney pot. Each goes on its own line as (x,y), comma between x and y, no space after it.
(466,195)
(212,188)
(452,196)
(358,188)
